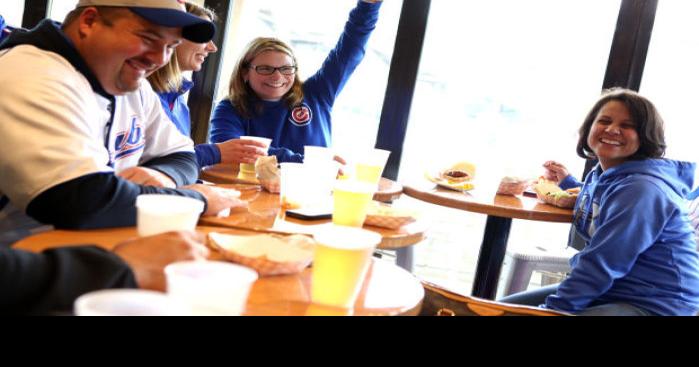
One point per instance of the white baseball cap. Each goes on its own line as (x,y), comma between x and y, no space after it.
(167,13)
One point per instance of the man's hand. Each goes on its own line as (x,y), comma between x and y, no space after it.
(148,256)
(147,176)
(241,151)
(217,199)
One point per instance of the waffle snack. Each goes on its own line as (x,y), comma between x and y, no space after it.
(385,216)
(268,254)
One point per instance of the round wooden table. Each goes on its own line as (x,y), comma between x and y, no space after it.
(264,214)
(389,190)
(500,209)
(387,289)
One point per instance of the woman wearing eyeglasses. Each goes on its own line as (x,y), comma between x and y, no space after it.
(268,99)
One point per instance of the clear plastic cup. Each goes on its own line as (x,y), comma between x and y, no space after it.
(210,287)
(128,302)
(340,263)
(163,213)
(247,170)
(351,200)
(370,166)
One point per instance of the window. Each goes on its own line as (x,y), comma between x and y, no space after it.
(670,77)
(507,83)
(312,28)
(58,9)
(12,11)
(504,84)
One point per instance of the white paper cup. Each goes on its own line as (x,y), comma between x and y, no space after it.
(210,287)
(128,302)
(164,213)
(293,189)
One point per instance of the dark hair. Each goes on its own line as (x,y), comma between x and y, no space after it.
(649,124)
(242,96)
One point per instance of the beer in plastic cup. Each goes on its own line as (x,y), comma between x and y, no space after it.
(370,167)
(247,170)
(351,200)
(340,263)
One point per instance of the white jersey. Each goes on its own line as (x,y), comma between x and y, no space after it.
(55,128)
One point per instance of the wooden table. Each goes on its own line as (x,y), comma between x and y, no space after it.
(264,214)
(387,290)
(500,209)
(389,190)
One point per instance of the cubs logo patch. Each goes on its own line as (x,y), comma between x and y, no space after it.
(301,115)
(130,141)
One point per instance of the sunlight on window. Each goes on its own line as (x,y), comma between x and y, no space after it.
(12,11)
(504,90)
(504,84)
(669,77)
(312,28)
(59,8)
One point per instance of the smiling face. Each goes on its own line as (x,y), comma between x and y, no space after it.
(613,136)
(123,50)
(191,56)
(270,87)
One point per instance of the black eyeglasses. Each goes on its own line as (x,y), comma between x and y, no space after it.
(269,70)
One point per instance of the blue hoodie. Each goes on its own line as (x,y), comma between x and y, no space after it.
(175,106)
(639,243)
(310,122)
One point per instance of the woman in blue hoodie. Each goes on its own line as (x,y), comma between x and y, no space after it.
(268,99)
(640,257)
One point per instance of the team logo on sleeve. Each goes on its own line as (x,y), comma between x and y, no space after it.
(301,115)
(129,142)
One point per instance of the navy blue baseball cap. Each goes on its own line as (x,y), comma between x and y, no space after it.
(167,13)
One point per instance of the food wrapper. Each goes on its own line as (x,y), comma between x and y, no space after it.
(385,216)
(513,186)
(268,173)
(268,254)
(550,193)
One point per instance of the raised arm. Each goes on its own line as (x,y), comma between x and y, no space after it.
(349,50)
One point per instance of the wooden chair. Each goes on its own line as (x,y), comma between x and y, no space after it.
(442,302)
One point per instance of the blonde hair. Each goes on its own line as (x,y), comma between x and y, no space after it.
(169,77)
(239,92)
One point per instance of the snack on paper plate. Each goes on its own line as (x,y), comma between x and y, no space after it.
(510,185)
(268,254)
(458,172)
(548,192)
(386,216)
(268,173)
(458,176)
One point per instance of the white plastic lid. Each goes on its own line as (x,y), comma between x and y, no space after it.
(343,237)
(168,204)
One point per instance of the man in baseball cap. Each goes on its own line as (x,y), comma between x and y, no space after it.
(168,13)
(83,134)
